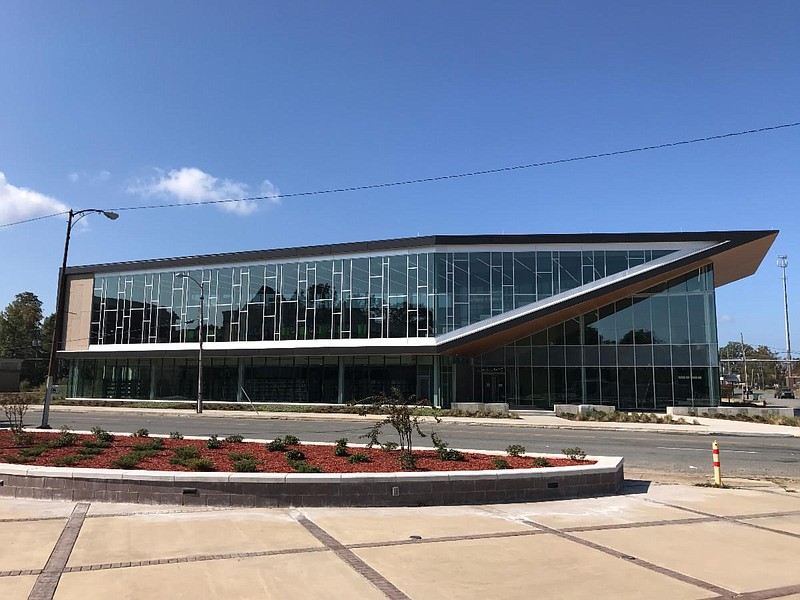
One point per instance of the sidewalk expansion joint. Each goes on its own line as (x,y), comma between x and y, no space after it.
(189,559)
(736,520)
(47,581)
(350,558)
(710,587)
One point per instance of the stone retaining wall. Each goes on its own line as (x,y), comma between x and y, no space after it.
(296,489)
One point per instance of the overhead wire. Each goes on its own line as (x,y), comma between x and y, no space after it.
(419,180)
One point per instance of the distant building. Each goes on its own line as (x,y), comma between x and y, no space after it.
(9,374)
(529,320)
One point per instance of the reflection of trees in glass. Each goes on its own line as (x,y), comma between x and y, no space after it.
(637,336)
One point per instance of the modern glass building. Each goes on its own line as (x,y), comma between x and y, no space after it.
(528,320)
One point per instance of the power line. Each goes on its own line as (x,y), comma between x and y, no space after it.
(374,186)
(58,214)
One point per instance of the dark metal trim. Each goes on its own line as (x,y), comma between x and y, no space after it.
(302,252)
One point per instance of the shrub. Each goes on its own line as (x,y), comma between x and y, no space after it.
(515,450)
(291,440)
(389,446)
(294,455)
(65,438)
(141,433)
(443,451)
(340,449)
(90,451)
(403,415)
(237,456)
(276,445)
(574,453)
(246,465)
(96,444)
(303,467)
(500,463)
(22,438)
(175,435)
(15,406)
(214,443)
(36,450)
(449,454)
(101,435)
(199,464)
(541,461)
(184,453)
(408,461)
(234,438)
(68,461)
(20,460)
(154,444)
(358,457)
(126,461)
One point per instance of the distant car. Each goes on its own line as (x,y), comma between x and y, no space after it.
(785,394)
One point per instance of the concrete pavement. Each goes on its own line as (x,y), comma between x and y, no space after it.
(654,541)
(544,420)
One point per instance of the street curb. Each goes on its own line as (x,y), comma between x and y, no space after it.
(702,429)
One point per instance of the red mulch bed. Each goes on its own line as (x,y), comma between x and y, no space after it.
(268,462)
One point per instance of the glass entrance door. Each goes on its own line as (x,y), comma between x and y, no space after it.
(494,386)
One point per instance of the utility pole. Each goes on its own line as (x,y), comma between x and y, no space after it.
(783,262)
(744,365)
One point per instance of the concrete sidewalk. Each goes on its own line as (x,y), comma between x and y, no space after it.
(653,541)
(704,426)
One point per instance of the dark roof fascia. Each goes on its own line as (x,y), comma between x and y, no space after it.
(302,252)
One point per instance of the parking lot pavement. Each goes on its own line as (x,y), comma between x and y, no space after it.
(652,541)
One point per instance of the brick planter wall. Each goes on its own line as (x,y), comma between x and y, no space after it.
(348,489)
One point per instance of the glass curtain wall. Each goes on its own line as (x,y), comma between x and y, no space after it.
(652,350)
(394,296)
(306,379)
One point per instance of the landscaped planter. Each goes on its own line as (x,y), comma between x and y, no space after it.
(454,484)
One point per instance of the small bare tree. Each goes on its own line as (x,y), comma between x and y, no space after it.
(402,413)
(15,406)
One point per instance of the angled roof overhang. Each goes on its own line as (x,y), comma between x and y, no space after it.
(734,255)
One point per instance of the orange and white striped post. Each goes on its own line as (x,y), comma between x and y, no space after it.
(717,473)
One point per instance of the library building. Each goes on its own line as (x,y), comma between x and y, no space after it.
(624,319)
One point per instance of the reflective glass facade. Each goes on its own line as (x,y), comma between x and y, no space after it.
(392,296)
(650,350)
(654,349)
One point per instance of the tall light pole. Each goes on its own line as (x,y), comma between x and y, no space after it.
(783,262)
(199,407)
(74,217)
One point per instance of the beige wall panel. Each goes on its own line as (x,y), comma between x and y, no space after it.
(78,312)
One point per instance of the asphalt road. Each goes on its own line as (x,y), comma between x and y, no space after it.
(676,454)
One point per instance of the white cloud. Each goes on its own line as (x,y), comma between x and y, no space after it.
(727,319)
(18,204)
(92,178)
(269,190)
(191,185)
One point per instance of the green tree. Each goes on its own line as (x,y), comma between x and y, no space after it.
(46,336)
(20,325)
(762,366)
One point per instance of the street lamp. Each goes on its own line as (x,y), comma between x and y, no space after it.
(199,408)
(783,262)
(74,217)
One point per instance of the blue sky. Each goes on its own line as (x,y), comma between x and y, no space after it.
(121,104)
